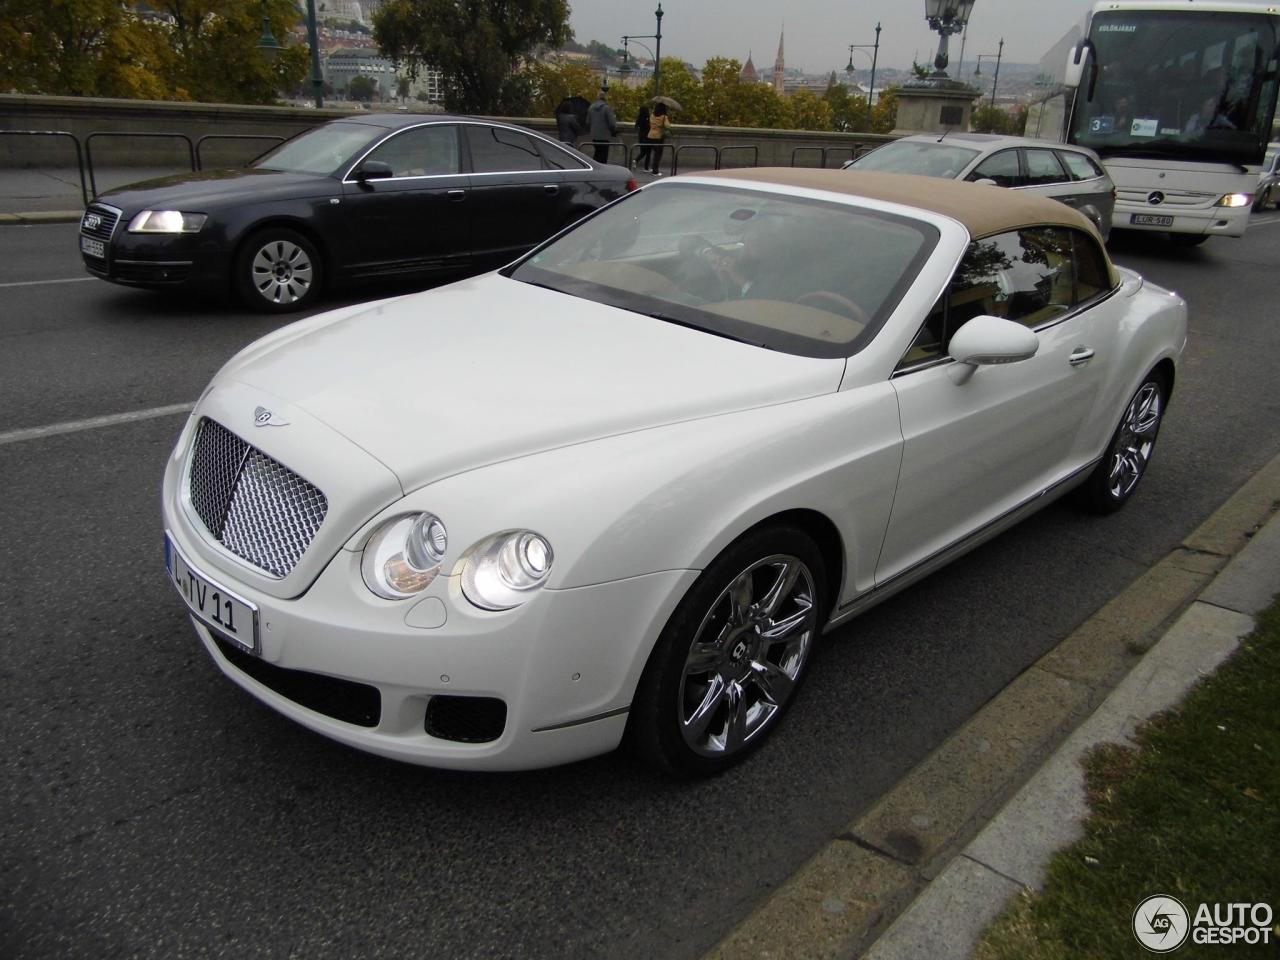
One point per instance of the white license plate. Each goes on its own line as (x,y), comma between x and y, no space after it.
(1150,220)
(93,248)
(233,617)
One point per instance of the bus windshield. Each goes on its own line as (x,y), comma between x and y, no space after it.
(1195,85)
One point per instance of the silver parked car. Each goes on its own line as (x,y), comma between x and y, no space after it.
(1268,191)
(1068,173)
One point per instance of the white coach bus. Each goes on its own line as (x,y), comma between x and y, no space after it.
(1178,98)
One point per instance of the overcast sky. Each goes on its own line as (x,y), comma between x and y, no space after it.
(818,32)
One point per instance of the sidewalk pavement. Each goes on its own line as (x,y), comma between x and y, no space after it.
(923,872)
(53,195)
(1047,814)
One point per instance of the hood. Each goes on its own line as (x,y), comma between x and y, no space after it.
(210,188)
(491,369)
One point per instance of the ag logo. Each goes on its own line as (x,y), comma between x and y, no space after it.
(262,417)
(1161,924)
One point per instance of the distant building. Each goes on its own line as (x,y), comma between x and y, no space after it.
(340,10)
(341,66)
(748,74)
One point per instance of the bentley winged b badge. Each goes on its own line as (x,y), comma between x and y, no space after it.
(262,417)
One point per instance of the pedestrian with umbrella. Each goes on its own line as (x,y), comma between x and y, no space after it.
(571,119)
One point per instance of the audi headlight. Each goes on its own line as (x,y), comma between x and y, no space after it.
(502,571)
(167,221)
(404,555)
(1235,200)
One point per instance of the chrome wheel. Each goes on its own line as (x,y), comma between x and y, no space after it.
(282,272)
(1135,440)
(747,655)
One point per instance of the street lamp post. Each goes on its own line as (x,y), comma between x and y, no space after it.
(656,37)
(977,71)
(947,18)
(268,44)
(875,55)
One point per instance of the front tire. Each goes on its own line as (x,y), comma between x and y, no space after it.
(1116,477)
(732,656)
(278,270)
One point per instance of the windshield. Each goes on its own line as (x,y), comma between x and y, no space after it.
(325,150)
(802,276)
(1195,85)
(931,159)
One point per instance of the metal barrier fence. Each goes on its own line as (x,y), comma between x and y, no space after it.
(88,148)
(755,156)
(720,157)
(233,136)
(84,189)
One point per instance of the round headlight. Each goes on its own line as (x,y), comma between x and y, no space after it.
(503,570)
(404,555)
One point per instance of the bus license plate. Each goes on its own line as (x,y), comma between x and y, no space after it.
(1150,220)
(93,248)
(230,616)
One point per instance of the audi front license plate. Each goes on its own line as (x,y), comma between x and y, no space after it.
(228,615)
(93,248)
(1150,220)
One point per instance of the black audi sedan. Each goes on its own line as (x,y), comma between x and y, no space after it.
(353,199)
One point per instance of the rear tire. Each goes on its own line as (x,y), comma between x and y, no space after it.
(732,656)
(1115,479)
(278,270)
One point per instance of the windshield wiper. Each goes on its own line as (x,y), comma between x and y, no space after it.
(667,318)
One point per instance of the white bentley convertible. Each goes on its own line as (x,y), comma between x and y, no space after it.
(620,488)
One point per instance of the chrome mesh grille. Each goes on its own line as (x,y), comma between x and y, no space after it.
(253,505)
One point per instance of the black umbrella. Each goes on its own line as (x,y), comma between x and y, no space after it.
(578,106)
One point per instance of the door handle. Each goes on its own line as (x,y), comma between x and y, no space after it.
(551,188)
(456,195)
(1080,355)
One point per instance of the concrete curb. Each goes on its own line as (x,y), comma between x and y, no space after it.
(944,836)
(41,216)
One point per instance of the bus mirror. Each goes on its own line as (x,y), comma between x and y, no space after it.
(1077,62)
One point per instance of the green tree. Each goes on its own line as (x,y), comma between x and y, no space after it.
(362,89)
(477,45)
(989,119)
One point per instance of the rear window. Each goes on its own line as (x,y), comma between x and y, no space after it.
(924,159)
(802,276)
(1081,166)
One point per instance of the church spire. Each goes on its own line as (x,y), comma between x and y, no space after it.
(780,65)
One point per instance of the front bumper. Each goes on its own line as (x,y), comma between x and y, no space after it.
(1208,221)
(155,261)
(564,665)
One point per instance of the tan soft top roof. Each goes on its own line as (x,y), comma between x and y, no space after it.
(983,209)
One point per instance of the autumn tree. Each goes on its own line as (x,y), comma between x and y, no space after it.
(809,111)
(477,45)
(104,48)
(552,82)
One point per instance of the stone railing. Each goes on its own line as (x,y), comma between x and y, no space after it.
(233,134)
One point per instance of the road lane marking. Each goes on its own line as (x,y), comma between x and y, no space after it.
(36,283)
(93,423)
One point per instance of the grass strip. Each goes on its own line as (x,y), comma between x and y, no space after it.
(1191,811)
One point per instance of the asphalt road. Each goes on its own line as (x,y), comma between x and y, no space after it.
(149,808)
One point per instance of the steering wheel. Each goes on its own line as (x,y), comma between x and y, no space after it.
(700,271)
(834,302)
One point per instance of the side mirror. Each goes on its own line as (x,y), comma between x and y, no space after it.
(988,181)
(1077,61)
(374,170)
(987,340)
